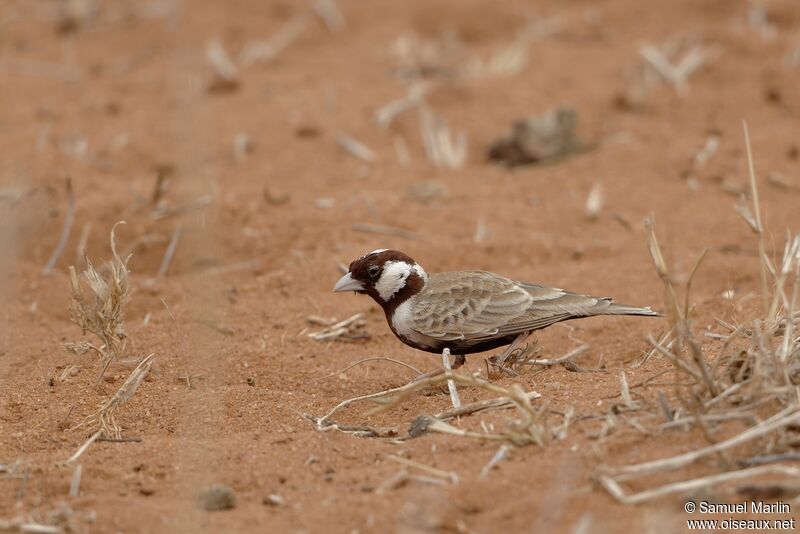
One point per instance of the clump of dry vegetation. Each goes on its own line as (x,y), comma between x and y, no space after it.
(532,424)
(104,419)
(351,329)
(530,427)
(104,314)
(752,378)
(672,62)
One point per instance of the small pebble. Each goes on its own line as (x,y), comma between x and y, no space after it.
(273,500)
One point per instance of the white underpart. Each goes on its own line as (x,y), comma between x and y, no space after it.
(394,277)
(402,321)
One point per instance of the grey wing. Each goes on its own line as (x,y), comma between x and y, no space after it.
(551,305)
(486,306)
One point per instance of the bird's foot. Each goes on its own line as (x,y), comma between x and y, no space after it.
(504,364)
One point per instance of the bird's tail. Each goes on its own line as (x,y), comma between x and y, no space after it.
(623,309)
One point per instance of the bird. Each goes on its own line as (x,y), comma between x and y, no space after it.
(466,311)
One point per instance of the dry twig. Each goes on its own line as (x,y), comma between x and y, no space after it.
(350,329)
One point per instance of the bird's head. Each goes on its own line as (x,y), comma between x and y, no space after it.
(388,276)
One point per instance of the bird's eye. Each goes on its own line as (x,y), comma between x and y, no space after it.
(373,271)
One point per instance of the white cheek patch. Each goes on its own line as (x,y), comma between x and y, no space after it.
(394,277)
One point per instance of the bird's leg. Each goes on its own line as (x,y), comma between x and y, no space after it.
(457,362)
(451,385)
(501,360)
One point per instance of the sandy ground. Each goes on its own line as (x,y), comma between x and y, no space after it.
(122,95)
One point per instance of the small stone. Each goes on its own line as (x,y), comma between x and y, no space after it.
(419,426)
(217,497)
(540,139)
(273,499)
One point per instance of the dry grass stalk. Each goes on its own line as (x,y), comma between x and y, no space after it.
(784,418)
(66,230)
(356,148)
(780,181)
(757,227)
(594,202)
(449,476)
(83,239)
(365,360)
(443,148)
(625,392)
(564,360)
(350,329)
(511,58)
(11,194)
(404,476)
(105,315)
(361,431)
(166,261)
(702,156)
(83,448)
(20,524)
(105,418)
(75,483)
(756,369)
(226,73)
(498,457)
(675,62)
(531,427)
(445,57)
(685,486)
(330,14)
(267,50)
(418,58)
(759,20)
(481,405)
(415,96)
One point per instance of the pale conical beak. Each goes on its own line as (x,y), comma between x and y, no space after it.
(348,283)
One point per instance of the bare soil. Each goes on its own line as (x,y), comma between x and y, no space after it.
(123,96)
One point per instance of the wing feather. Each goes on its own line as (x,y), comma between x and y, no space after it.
(478,305)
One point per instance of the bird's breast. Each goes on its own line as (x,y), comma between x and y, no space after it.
(402,323)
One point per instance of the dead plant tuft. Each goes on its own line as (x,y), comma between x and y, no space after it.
(753,377)
(103,316)
(104,419)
